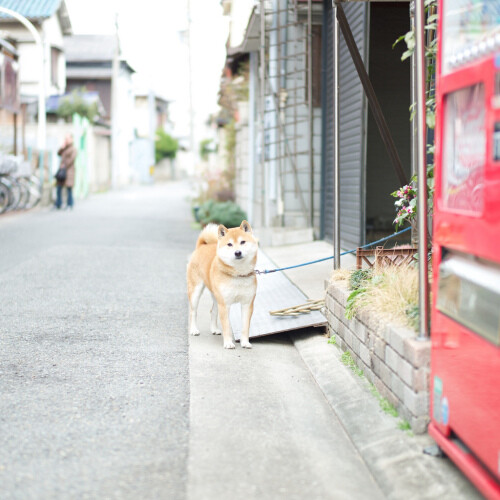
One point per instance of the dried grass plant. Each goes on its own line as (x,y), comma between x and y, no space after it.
(340,275)
(392,292)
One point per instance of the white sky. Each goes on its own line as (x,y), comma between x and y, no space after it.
(151,34)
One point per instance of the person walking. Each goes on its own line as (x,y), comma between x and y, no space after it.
(68,153)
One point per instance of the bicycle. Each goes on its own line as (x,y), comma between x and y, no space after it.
(31,185)
(19,188)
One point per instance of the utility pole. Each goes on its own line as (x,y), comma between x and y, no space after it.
(115,127)
(190,73)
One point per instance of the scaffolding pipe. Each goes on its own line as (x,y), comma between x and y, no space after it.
(336,142)
(272,142)
(310,113)
(280,204)
(262,110)
(423,295)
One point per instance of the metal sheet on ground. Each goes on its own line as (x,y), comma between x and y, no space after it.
(274,291)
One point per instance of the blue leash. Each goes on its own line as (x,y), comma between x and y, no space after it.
(268,271)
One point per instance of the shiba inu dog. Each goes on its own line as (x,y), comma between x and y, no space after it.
(224,262)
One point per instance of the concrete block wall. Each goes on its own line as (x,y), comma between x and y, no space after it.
(390,356)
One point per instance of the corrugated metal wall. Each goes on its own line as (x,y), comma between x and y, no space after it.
(353,115)
(327,177)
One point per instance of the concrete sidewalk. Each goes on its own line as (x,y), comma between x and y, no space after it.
(394,458)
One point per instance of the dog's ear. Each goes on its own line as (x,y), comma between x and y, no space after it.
(245,226)
(222,231)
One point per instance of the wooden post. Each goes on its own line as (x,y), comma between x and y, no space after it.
(15,134)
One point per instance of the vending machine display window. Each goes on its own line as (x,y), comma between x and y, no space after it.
(465,150)
(471,30)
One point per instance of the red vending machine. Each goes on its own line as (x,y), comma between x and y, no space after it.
(465,332)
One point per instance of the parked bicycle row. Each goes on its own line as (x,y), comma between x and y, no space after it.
(20,189)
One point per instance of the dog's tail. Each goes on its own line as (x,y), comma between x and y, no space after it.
(210,234)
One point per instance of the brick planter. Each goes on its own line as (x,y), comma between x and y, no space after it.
(390,356)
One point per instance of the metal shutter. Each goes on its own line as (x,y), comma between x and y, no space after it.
(327,174)
(353,116)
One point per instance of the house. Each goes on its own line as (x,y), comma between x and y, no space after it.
(366,177)
(150,114)
(284,176)
(51,19)
(94,62)
(278,170)
(89,64)
(9,98)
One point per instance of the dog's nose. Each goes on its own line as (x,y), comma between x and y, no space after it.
(237,254)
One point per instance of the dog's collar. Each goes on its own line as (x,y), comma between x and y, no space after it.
(227,270)
(245,275)
(251,273)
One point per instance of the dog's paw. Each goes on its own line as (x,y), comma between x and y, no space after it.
(216,331)
(194,331)
(245,344)
(228,344)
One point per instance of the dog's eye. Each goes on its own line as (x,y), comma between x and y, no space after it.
(229,244)
(242,242)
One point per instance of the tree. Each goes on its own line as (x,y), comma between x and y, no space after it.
(165,146)
(75,103)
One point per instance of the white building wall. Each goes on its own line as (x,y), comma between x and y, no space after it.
(242,180)
(125,120)
(141,116)
(30,59)
(98,152)
(291,171)
(54,38)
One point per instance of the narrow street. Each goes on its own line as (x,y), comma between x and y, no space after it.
(94,376)
(104,395)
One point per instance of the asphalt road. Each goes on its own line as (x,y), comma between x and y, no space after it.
(94,374)
(104,396)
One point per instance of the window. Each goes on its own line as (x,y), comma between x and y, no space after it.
(55,54)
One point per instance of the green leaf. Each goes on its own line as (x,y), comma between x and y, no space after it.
(400,39)
(406,54)
(430,119)
(350,307)
(410,39)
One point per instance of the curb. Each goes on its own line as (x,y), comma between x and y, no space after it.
(394,457)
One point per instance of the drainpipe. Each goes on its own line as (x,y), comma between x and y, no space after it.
(423,295)
(336,142)
(254,67)
(413,123)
